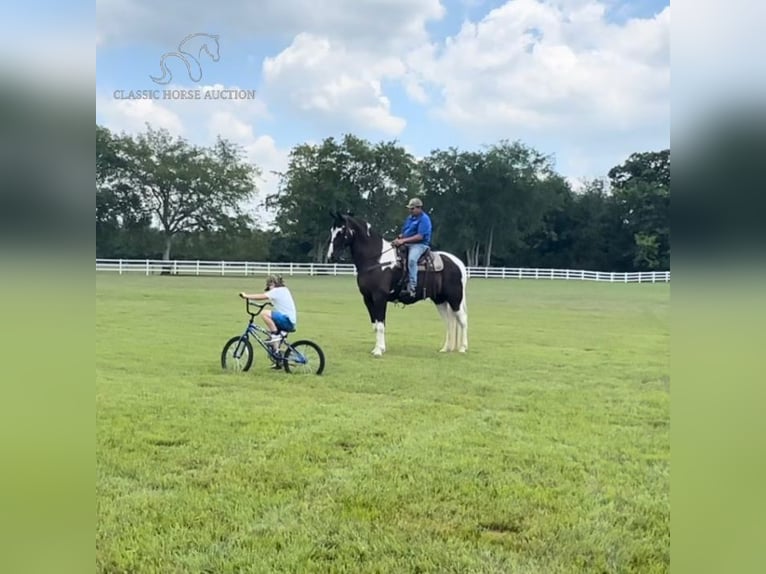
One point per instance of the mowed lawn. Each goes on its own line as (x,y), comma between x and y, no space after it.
(545,448)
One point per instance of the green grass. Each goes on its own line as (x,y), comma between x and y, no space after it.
(545,448)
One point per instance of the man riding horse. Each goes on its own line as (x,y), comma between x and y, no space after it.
(416,236)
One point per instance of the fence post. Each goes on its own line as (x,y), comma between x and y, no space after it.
(120,266)
(247,272)
(335,269)
(175,267)
(291,269)
(268,268)
(197,267)
(147,268)
(611,278)
(222,269)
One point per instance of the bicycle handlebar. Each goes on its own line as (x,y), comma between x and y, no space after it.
(248,303)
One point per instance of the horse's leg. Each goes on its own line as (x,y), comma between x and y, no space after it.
(460,311)
(445,312)
(462,320)
(368,302)
(379,303)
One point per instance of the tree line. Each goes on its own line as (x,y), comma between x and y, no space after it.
(505,205)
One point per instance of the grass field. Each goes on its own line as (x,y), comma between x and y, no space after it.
(545,448)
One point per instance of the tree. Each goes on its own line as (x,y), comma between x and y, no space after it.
(447,180)
(489,202)
(119,212)
(372,181)
(641,189)
(187,187)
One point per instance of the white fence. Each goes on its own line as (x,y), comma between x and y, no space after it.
(244,268)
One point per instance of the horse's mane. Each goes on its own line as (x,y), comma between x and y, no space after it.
(361,226)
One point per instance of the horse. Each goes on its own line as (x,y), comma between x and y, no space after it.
(381,274)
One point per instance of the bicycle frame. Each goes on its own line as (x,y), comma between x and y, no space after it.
(252,330)
(285,355)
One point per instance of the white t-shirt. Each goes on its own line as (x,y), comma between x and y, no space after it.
(283,302)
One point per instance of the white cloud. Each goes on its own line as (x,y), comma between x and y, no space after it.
(389,25)
(556,73)
(131,116)
(323,81)
(332,73)
(532,66)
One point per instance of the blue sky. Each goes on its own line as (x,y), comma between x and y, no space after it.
(585,81)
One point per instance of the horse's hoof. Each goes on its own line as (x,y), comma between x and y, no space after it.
(377,353)
(462,350)
(443,350)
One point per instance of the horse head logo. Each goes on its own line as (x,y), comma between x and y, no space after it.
(188,57)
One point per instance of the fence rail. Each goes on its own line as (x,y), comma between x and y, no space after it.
(245,268)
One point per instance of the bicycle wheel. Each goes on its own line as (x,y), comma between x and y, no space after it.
(241,358)
(304,357)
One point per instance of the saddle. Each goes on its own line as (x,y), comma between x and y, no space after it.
(429,261)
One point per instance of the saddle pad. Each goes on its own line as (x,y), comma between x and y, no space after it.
(436,262)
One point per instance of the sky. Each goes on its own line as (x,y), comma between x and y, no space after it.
(584,81)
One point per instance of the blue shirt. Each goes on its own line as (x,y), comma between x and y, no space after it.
(415,225)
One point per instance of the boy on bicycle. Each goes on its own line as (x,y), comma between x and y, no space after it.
(284,317)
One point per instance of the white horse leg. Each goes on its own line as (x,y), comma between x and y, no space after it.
(462,321)
(443,311)
(380,338)
(458,330)
(451,327)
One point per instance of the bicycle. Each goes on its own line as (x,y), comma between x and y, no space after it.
(292,359)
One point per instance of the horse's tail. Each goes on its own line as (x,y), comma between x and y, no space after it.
(464,280)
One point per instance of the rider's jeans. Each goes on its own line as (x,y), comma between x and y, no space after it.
(414,252)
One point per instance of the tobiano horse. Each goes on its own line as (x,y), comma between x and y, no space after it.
(381,273)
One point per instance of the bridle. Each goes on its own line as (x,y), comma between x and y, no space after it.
(347,233)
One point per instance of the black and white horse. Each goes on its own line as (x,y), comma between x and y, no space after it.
(379,275)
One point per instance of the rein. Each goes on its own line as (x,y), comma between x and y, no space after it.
(371,267)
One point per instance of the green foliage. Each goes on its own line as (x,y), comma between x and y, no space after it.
(372,181)
(540,450)
(642,193)
(180,186)
(503,205)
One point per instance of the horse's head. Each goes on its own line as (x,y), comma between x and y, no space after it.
(341,236)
